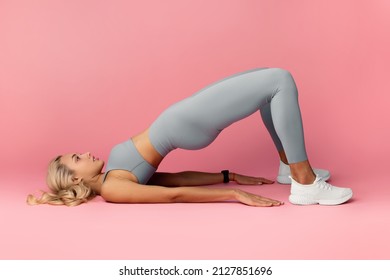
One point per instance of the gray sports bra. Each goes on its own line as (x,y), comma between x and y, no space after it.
(125,156)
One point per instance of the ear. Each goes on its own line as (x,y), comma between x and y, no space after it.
(76,180)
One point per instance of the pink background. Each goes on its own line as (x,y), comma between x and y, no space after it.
(83,75)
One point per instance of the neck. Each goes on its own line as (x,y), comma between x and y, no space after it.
(96,183)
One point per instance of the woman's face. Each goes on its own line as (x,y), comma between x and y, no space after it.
(86,166)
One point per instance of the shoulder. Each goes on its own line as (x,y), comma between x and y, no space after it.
(116,189)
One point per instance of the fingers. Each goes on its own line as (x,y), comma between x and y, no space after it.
(255,200)
(266,181)
(272,202)
(261,180)
(265,202)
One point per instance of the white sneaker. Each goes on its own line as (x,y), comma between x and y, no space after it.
(285,173)
(319,192)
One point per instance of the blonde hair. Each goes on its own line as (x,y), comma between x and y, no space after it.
(64,191)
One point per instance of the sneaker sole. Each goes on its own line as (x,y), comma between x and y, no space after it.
(285,180)
(306,200)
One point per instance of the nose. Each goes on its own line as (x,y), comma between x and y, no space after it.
(88,154)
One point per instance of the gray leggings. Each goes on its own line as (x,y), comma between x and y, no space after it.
(193,123)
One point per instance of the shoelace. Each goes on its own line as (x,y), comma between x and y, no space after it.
(323,184)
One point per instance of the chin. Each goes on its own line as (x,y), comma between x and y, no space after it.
(101,162)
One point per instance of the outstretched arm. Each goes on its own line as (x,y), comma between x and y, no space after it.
(125,191)
(196,178)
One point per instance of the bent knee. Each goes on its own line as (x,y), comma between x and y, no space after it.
(284,81)
(282,74)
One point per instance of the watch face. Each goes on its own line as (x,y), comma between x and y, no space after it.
(225,176)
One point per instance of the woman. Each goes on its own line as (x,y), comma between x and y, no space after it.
(194,123)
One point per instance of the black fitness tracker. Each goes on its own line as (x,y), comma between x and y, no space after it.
(225,176)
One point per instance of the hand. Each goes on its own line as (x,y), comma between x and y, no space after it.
(255,200)
(247,180)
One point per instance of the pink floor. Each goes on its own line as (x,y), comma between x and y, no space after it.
(78,76)
(356,230)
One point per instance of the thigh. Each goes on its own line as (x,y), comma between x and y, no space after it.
(193,123)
